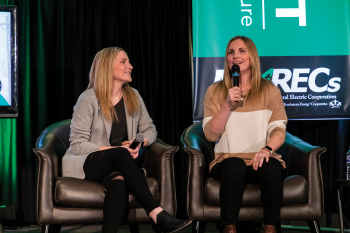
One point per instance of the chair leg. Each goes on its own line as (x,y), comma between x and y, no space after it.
(198,226)
(51,228)
(279,227)
(134,227)
(194,226)
(314,226)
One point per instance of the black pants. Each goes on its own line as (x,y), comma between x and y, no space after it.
(234,174)
(103,166)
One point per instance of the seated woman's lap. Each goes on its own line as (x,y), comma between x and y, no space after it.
(99,167)
(236,167)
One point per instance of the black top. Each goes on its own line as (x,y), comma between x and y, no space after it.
(119,131)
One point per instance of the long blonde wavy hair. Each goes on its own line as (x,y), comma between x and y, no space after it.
(259,85)
(101,79)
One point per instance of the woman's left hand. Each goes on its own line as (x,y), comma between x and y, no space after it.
(258,159)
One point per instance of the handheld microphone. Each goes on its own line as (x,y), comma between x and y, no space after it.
(137,140)
(235,75)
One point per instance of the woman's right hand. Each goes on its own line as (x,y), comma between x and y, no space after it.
(233,96)
(133,152)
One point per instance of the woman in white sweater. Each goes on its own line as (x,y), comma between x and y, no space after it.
(248,124)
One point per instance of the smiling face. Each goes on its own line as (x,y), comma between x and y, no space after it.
(237,53)
(122,68)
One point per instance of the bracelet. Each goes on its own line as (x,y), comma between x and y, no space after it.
(266,150)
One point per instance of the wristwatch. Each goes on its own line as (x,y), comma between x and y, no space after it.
(269,149)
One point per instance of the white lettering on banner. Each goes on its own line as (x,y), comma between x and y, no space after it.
(298,97)
(318,104)
(219,75)
(282,82)
(332,83)
(304,104)
(332,86)
(297,79)
(246,20)
(312,80)
(321,97)
(312,104)
(242,4)
(294,12)
(291,104)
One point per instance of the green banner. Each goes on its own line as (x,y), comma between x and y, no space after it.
(278,28)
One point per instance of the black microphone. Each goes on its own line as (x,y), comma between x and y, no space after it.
(139,138)
(235,75)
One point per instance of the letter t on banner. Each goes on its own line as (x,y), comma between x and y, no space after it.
(294,12)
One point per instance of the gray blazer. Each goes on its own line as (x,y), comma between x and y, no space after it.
(89,131)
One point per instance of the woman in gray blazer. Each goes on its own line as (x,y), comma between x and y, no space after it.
(106,118)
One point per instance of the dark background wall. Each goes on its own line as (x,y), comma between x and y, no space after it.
(57,42)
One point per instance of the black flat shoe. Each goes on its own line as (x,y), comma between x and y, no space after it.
(167,223)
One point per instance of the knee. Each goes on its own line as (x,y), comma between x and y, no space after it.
(273,167)
(117,153)
(234,167)
(116,182)
(118,178)
(114,179)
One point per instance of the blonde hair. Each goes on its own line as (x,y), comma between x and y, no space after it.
(101,78)
(258,84)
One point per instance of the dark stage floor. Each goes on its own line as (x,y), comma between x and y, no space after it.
(144,228)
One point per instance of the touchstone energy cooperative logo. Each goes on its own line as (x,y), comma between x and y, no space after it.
(335,104)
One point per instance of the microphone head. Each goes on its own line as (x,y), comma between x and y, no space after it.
(235,74)
(140,137)
(235,69)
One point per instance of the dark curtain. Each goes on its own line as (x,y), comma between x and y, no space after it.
(57,43)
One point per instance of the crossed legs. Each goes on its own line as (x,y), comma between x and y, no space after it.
(116,169)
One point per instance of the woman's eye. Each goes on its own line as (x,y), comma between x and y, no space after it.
(230,52)
(123,62)
(242,51)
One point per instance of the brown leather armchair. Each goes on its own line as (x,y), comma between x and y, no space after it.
(302,191)
(67,200)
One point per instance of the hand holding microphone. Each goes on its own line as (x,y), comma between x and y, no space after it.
(234,93)
(137,140)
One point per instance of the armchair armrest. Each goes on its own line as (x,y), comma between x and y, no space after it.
(47,172)
(197,154)
(193,182)
(159,163)
(304,159)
